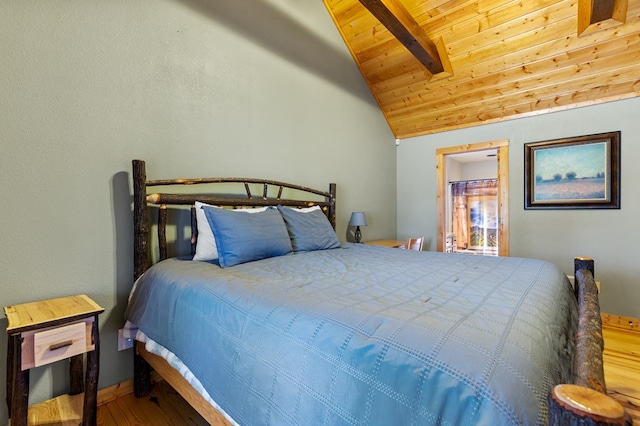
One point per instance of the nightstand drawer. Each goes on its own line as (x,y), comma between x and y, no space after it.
(41,347)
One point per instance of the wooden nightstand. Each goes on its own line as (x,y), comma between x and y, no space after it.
(47,331)
(386,243)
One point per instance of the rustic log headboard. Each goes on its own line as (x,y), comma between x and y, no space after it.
(273,193)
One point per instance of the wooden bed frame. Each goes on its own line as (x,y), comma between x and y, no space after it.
(584,402)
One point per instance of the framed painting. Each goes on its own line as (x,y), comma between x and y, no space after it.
(574,173)
(482,220)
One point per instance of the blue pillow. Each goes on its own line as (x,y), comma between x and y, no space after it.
(244,238)
(309,231)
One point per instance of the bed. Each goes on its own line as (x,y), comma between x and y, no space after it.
(288,326)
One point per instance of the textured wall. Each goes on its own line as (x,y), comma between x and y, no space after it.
(196,88)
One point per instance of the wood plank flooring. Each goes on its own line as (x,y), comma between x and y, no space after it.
(164,406)
(622,362)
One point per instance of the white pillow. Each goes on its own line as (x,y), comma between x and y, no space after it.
(307,209)
(206,248)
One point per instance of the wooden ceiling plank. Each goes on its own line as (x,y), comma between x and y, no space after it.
(403,26)
(422,10)
(593,75)
(512,58)
(551,52)
(381,51)
(461,40)
(476,17)
(366,33)
(502,20)
(547,24)
(470,117)
(539,105)
(556,51)
(455,13)
(597,73)
(599,83)
(555,44)
(556,102)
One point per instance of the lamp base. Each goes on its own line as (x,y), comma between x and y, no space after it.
(358,235)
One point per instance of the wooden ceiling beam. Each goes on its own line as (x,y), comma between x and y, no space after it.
(596,15)
(397,19)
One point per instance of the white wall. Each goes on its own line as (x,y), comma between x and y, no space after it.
(608,236)
(195,88)
(487,169)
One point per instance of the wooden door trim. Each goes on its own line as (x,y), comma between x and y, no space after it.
(502,146)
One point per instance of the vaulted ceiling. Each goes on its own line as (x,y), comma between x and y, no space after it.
(502,59)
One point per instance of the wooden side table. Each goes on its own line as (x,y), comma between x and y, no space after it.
(47,331)
(386,243)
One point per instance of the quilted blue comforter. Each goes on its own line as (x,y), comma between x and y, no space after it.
(365,335)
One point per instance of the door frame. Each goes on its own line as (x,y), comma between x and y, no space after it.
(502,147)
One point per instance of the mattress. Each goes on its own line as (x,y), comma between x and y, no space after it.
(365,335)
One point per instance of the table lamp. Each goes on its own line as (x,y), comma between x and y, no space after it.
(358,219)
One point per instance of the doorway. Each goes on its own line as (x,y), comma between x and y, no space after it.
(500,151)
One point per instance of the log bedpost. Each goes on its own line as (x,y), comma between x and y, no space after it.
(582,263)
(332,207)
(573,405)
(141,370)
(194,230)
(585,402)
(587,366)
(140,221)
(162,231)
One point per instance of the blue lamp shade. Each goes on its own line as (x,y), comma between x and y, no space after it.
(358,219)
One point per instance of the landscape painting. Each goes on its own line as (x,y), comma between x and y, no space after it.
(581,172)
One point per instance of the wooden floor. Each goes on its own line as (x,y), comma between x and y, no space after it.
(165,407)
(622,362)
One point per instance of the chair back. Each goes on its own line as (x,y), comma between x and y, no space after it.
(413,244)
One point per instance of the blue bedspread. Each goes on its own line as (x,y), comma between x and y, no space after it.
(367,335)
